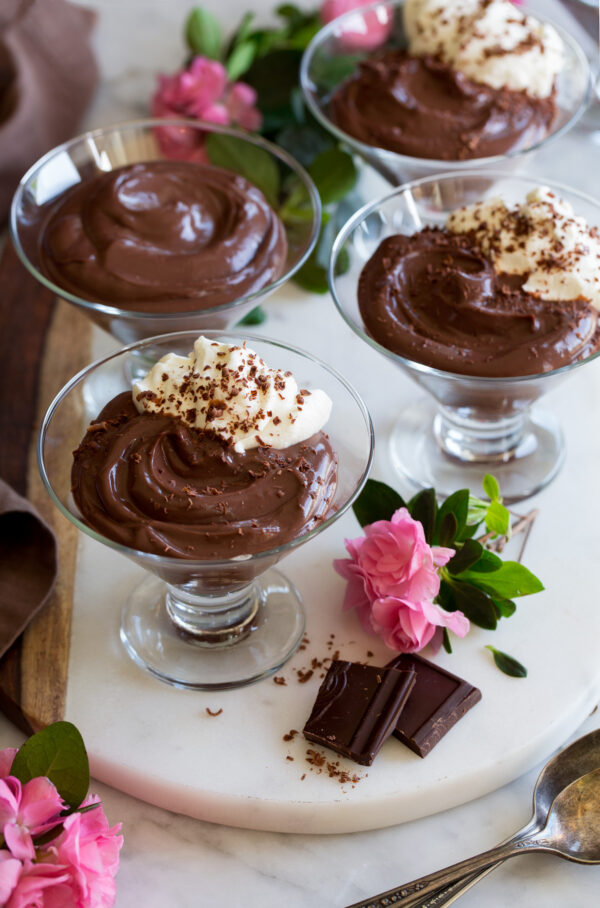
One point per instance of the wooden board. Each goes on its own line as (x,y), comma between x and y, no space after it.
(42,344)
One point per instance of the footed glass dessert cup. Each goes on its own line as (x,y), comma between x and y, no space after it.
(470,426)
(338,48)
(145,141)
(208,624)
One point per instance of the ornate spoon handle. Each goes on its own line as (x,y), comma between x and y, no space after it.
(412,894)
(450,894)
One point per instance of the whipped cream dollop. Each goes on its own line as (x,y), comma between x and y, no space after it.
(230,391)
(490,41)
(542,238)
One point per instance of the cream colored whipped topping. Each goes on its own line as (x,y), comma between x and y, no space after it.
(491,41)
(232,392)
(542,238)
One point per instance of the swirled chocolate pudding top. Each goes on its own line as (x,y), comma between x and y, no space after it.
(208,463)
(497,293)
(476,80)
(163,236)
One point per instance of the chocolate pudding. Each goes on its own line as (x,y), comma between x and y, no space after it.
(435,298)
(163,236)
(424,108)
(154,484)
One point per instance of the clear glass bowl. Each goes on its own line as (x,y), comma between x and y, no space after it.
(140,141)
(337,41)
(207,624)
(476,425)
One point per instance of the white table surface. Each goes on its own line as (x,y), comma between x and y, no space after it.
(171,860)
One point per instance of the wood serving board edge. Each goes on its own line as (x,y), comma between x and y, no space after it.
(33,673)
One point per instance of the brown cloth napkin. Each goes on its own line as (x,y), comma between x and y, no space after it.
(28,564)
(47,77)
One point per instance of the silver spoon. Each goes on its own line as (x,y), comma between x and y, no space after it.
(578,758)
(572,831)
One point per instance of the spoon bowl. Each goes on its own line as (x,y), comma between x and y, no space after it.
(579,758)
(571,829)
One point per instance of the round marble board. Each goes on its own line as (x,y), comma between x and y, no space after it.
(161,745)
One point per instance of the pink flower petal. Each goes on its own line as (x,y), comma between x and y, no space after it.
(10,871)
(18,841)
(40,802)
(7,756)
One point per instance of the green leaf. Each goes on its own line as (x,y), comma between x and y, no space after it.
(497,519)
(252,162)
(334,173)
(468,555)
(256,317)
(491,487)
(240,60)
(57,752)
(446,534)
(243,32)
(446,641)
(342,264)
(423,507)
(477,510)
(203,33)
(508,664)
(292,13)
(377,501)
(506,607)
(511,579)
(328,71)
(477,605)
(312,276)
(304,142)
(488,562)
(274,76)
(445,597)
(457,504)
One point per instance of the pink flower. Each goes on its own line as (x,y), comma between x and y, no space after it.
(397,560)
(89,850)
(41,886)
(392,580)
(201,92)
(25,811)
(362,32)
(10,871)
(409,626)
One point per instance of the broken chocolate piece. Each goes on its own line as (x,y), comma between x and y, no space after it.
(438,700)
(357,708)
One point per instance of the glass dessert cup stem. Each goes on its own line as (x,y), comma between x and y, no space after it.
(435,445)
(216,642)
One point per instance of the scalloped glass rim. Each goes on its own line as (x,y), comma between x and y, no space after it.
(159,559)
(411,364)
(150,123)
(391,158)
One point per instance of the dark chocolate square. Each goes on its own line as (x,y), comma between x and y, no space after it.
(357,708)
(438,700)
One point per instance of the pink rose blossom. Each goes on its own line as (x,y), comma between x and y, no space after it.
(362,32)
(201,92)
(89,850)
(392,580)
(409,626)
(41,886)
(397,560)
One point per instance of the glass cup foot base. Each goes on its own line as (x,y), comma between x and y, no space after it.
(417,457)
(157,645)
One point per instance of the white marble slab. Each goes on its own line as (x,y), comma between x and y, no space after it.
(172,860)
(157,742)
